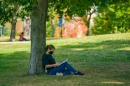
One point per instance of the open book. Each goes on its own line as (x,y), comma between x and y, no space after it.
(64,61)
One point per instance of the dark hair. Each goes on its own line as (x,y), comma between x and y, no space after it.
(22,33)
(49,47)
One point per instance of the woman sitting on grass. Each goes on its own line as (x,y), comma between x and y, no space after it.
(53,68)
(21,37)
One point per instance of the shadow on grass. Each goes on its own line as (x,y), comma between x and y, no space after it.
(14,61)
(112,43)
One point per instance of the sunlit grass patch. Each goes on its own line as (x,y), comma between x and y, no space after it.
(113,82)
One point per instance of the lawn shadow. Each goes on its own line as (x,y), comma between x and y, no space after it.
(111,43)
(14,62)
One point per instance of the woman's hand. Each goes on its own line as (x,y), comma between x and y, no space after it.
(57,64)
(52,65)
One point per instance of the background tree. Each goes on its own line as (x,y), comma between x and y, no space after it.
(89,14)
(51,16)
(113,18)
(10,11)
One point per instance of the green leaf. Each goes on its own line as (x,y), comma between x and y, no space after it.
(119,14)
(111,9)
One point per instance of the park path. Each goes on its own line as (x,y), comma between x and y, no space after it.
(19,42)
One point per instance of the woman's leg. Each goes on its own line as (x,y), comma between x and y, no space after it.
(69,67)
(61,68)
(66,72)
(55,70)
(24,39)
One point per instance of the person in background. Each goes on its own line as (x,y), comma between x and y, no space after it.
(21,37)
(52,68)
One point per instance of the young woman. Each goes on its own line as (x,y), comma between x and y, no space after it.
(53,68)
(21,37)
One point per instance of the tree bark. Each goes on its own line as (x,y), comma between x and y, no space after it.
(13,23)
(38,36)
(88,24)
(53,30)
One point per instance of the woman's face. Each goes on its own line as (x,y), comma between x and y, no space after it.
(51,51)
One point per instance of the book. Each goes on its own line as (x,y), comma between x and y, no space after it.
(64,61)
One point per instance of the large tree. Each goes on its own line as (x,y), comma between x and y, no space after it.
(38,35)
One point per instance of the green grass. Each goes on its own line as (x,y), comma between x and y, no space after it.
(105,60)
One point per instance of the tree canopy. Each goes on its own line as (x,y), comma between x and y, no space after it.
(113,18)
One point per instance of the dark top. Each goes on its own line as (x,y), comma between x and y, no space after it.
(47,59)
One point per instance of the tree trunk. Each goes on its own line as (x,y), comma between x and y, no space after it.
(13,23)
(88,24)
(38,36)
(52,26)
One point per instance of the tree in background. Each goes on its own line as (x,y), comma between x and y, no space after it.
(10,11)
(113,18)
(51,16)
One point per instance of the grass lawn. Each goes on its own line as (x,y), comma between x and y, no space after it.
(105,60)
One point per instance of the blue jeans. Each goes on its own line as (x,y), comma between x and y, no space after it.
(64,68)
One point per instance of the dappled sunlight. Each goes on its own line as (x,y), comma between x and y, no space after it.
(87,48)
(78,49)
(113,82)
(124,48)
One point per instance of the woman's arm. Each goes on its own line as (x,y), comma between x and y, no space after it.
(51,65)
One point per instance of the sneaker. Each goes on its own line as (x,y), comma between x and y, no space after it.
(59,74)
(78,74)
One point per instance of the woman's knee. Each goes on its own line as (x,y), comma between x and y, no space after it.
(65,63)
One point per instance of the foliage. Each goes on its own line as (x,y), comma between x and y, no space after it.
(62,7)
(7,31)
(71,7)
(55,6)
(112,18)
(4,13)
(7,10)
(104,59)
(48,29)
